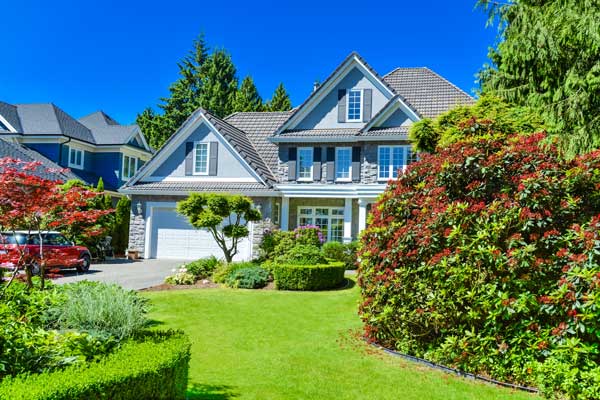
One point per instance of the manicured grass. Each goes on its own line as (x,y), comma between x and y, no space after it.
(253,344)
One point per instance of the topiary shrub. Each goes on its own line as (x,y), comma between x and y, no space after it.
(248,278)
(486,257)
(154,366)
(308,277)
(309,235)
(302,254)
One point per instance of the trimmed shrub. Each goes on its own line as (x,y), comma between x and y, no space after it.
(486,257)
(202,268)
(308,277)
(181,277)
(334,251)
(99,309)
(277,243)
(154,366)
(248,278)
(222,272)
(302,255)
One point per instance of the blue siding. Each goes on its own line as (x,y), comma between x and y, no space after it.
(50,150)
(108,166)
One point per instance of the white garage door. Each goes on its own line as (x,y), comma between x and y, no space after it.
(173,237)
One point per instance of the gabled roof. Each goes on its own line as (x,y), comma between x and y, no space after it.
(259,126)
(20,152)
(107,131)
(235,137)
(98,118)
(48,119)
(425,91)
(8,112)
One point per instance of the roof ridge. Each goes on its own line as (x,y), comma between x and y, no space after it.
(447,81)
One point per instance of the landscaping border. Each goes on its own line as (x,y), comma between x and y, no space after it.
(453,371)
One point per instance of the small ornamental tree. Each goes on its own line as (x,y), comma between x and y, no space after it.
(34,204)
(225,216)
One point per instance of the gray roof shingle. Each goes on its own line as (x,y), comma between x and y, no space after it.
(48,119)
(186,187)
(9,112)
(426,92)
(106,130)
(48,169)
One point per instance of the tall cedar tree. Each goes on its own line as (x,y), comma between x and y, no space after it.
(548,57)
(247,97)
(219,84)
(280,100)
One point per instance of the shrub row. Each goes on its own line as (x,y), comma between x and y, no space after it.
(152,366)
(308,277)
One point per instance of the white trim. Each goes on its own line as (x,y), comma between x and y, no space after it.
(201,173)
(360,106)
(347,220)
(75,164)
(137,166)
(331,190)
(285,214)
(349,178)
(362,214)
(325,89)
(343,139)
(312,156)
(185,193)
(92,148)
(7,124)
(391,170)
(138,132)
(389,109)
(198,178)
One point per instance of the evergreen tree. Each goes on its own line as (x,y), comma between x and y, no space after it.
(548,57)
(120,233)
(280,100)
(247,97)
(219,84)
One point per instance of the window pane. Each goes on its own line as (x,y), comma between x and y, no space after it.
(305,162)
(72,157)
(322,211)
(397,160)
(306,211)
(201,158)
(343,162)
(126,167)
(384,162)
(79,155)
(337,211)
(303,221)
(322,223)
(337,229)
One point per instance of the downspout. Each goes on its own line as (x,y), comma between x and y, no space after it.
(60,151)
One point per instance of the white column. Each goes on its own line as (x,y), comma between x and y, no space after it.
(362,214)
(347,220)
(285,213)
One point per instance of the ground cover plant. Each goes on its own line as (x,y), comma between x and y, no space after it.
(485,256)
(257,344)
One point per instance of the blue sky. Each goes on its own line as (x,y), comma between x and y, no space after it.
(120,56)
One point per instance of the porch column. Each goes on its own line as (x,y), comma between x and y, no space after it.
(348,220)
(285,213)
(362,214)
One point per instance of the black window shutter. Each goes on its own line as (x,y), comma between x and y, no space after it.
(292,157)
(330,164)
(189,158)
(356,164)
(213,158)
(316,164)
(367,104)
(342,105)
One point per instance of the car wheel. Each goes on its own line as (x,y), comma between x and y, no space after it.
(85,264)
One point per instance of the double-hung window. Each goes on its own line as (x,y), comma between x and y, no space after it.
(305,163)
(75,158)
(201,158)
(130,166)
(391,159)
(343,163)
(354,105)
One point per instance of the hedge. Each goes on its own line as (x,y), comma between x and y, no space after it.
(308,277)
(152,366)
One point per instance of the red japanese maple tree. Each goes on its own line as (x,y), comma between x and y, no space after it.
(35,204)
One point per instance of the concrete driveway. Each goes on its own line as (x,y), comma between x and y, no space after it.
(139,274)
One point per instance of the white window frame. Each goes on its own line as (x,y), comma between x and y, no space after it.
(393,173)
(349,178)
(360,116)
(75,164)
(135,167)
(276,213)
(312,157)
(329,217)
(196,145)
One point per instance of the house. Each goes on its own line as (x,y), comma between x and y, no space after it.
(93,147)
(323,163)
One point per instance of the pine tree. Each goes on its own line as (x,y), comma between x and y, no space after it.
(548,58)
(280,100)
(219,84)
(247,97)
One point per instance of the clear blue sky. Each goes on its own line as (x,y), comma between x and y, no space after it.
(120,56)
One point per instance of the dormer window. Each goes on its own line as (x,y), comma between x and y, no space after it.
(75,158)
(354,105)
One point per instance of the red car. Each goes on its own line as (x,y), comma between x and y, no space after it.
(59,252)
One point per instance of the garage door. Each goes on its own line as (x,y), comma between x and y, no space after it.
(173,237)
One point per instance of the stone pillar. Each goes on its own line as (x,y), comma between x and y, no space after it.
(137,229)
(347,220)
(285,213)
(362,214)
(259,229)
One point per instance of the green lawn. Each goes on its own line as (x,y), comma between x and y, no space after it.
(293,345)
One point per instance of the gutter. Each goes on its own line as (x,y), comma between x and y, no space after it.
(60,148)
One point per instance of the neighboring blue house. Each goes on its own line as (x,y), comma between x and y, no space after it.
(92,147)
